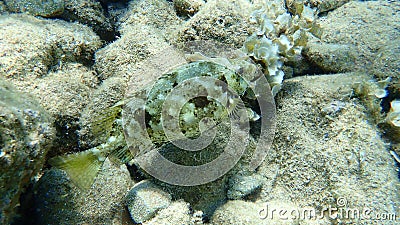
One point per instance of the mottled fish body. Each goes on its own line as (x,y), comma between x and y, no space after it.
(183,103)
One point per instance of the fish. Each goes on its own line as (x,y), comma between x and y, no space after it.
(140,117)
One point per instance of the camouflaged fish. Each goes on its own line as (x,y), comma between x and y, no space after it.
(220,87)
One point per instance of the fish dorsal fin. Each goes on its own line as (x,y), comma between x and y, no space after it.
(81,167)
(102,124)
(234,107)
(120,155)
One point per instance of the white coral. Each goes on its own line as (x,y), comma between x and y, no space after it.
(280,37)
(393,116)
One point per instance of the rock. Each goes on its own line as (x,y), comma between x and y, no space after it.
(64,94)
(331,58)
(396,151)
(48,59)
(387,64)
(163,18)
(187,8)
(48,8)
(176,213)
(143,36)
(59,201)
(241,186)
(325,158)
(335,160)
(145,199)
(3,8)
(224,21)
(91,13)
(360,24)
(237,212)
(31,47)
(198,217)
(121,57)
(26,134)
(322,6)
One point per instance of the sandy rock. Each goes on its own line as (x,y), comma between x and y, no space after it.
(40,57)
(237,212)
(359,23)
(321,5)
(241,186)
(176,213)
(224,21)
(159,15)
(3,8)
(64,94)
(32,46)
(145,199)
(120,58)
(187,8)
(91,13)
(58,201)
(26,134)
(320,158)
(323,158)
(49,8)
(143,36)
(331,58)
(387,64)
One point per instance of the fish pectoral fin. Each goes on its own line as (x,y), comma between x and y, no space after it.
(81,167)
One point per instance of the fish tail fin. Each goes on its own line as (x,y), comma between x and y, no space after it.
(82,167)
